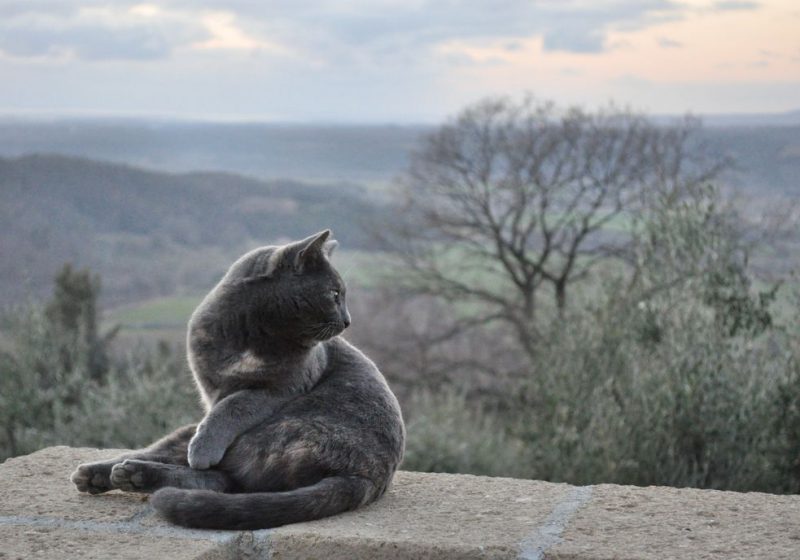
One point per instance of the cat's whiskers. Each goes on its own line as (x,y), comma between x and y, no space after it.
(322,331)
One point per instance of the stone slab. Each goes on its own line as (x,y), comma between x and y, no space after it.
(39,484)
(658,523)
(422,515)
(65,543)
(436,516)
(430,516)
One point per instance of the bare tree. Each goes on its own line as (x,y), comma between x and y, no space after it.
(512,200)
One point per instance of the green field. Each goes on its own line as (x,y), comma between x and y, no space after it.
(164,312)
(171,313)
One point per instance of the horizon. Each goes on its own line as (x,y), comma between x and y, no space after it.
(46,117)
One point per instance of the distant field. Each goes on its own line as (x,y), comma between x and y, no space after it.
(171,313)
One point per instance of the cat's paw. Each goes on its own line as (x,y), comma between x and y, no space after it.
(204,453)
(93,478)
(131,476)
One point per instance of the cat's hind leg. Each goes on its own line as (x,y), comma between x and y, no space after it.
(148,476)
(95,477)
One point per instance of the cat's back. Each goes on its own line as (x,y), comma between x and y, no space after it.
(351,372)
(354,396)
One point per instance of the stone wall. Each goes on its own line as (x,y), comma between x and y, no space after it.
(423,516)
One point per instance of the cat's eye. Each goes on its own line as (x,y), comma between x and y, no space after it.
(336,295)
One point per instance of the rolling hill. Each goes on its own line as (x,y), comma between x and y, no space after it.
(170,230)
(766,151)
(153,233)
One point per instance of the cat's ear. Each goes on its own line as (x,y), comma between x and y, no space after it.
(310,250)
(329,247)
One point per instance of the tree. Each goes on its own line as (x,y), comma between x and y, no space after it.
(73,314)
(62,384)
(510,200)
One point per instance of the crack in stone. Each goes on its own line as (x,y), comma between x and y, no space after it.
(254,544)
(137,517)
(549,533)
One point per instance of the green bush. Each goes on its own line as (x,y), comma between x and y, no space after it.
(681,374)
(446,434)
(697,408)
(55,391)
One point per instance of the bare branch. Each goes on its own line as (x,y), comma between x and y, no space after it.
(525,194)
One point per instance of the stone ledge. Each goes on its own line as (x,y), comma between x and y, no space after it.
(423,516)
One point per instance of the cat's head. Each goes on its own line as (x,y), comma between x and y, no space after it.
(293,289)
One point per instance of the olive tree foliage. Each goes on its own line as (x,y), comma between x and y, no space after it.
(510,204)
(62,383)
(72,311)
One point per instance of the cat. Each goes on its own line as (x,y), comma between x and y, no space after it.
(299,423)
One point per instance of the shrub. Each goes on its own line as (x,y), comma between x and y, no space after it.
(696,408)
(54,390)
(445,433)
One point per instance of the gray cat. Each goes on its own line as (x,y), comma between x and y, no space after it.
(300,425)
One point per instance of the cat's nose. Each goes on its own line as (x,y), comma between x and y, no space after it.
(346,322)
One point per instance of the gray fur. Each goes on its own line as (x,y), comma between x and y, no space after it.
(299,423)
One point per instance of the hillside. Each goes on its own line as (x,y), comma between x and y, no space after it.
(766,159)
(152,233)
(171,230)
(366,154)
(766,152)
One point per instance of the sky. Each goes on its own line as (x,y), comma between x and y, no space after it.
(393,61)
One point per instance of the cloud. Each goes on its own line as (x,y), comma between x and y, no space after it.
(575,40)
(367,30)
(735,5)
(576,26)
(9,9)
(226,35)
(86,42)
(92,32)
(322,32)
(667,43)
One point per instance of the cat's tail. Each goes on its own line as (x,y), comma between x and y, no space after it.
(215,510)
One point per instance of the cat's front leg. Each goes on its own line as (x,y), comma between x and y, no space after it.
(207,447)
(229,418)
(94,478)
